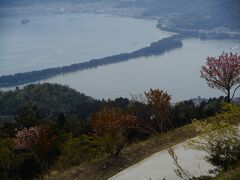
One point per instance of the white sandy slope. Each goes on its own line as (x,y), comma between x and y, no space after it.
(160,165)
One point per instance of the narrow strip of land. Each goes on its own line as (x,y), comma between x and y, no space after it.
(156,48)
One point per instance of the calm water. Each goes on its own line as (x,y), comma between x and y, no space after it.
(55,40)
(176,72)
(64,39)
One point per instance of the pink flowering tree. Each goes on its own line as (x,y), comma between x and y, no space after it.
(26,138)
(40,139)
(223,73)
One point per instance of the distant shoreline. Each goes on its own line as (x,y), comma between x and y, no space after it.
(201,34)
(155,48)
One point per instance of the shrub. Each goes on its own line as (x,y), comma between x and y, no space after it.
(111,124)
(76,126)
(219,137)
(28,115)
(26,138)
(25,165)
(17,164)
(158,103)
(153,110)
(225,152)
(6,148)
(78,150)
(41,140)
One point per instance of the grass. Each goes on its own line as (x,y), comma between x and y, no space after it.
(132,154)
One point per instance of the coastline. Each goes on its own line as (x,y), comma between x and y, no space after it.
(154,49)
(13,80)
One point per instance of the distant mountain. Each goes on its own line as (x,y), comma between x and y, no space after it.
(175,14)
(200,14)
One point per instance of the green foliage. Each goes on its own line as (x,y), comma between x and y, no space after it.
(231,114)
(78,150)
(61,120)
(184,112)
(51,99)
(25,165)
(224,153)
(6,119)
(17,165)
(28,115)
(8,130)
(6,148)
(76,125)
(219,137)
(211,108)
(36,104)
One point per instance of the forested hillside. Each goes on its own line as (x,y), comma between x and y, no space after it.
(56,127)
(51,100)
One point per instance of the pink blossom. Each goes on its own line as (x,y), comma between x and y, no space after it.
(223,73)
(26,138)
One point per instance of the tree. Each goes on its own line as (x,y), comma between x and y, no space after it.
(28,115)
(223,73)
(153,111)
(158,104)
(111,124)
(26,138)
(6,148)
(61,120)
(40,140)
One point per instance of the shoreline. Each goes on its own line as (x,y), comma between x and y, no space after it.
(24,78)
(156,48)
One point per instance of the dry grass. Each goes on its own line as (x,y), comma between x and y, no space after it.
(109,166)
